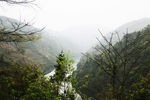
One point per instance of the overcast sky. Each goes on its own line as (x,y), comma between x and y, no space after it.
(62,14)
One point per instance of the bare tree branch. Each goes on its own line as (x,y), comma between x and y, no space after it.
(17,1)
(118,60)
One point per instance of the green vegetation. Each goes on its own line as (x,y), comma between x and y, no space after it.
(28,83)
(113,71)
(118,71)
(23,62)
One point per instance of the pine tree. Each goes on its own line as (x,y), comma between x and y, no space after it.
(60,80)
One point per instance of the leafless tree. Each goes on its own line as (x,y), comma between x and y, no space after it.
(118,60)
(13,32)
(17,32)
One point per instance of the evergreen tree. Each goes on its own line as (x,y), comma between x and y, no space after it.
(28,83)
(61,79)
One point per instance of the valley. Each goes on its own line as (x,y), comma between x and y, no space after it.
(74,50)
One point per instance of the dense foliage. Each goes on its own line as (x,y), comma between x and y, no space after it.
(28,83)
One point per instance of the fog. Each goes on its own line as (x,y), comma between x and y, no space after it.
(78,20)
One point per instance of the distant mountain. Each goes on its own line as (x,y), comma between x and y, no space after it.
(83,36)
(42,52)
(133,26)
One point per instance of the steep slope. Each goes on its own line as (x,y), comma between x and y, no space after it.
(42,52)
(129,27)
(133,26)
(98,79)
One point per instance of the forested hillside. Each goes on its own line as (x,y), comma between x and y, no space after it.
(41,51)
(133,26)
(26,54)
(114,70)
